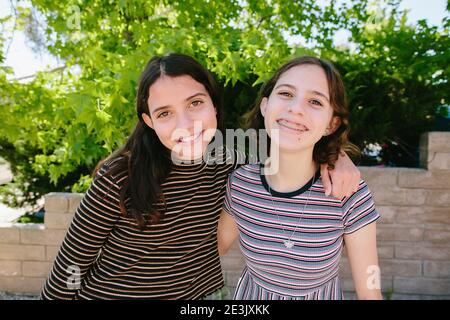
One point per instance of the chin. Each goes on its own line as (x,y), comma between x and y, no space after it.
(291,148)
(294,145)
(189,154)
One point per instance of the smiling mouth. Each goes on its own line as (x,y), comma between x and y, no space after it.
(294,126)
(190,139)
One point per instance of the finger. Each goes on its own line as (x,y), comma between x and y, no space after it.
(349,187)
(338,187)
(356,184)
(326,180)
(358,179)
(353,185)
(349,192)
(340,191)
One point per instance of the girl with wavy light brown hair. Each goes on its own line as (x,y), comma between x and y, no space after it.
(290,232)
(326,150)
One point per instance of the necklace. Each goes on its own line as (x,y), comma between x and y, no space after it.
(288,243)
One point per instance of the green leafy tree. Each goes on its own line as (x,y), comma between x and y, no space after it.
(55,127)
(397,81)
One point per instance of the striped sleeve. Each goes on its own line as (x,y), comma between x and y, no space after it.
(227,199)
(93,221)
(359,209)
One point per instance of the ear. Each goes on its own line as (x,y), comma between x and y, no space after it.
(263,106)
(148,121)
(333,126)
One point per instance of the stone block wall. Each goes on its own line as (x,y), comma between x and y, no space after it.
(27,251)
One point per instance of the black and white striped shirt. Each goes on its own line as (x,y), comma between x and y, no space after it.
(176,258)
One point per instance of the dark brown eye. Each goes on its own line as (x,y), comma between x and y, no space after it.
(196,103)
(285,94)
(316,102)
(163,114)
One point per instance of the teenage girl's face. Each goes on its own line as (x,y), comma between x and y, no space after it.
(182,115)
(299,108)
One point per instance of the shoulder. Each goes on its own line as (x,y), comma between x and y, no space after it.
(226,157)
(246,172)
(362,187)
(236,157)
(361,195)
(113,170)
(249,169)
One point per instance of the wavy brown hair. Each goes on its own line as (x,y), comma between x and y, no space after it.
(328,148)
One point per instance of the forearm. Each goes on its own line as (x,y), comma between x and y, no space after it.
(227,233)
(368,283)
(362,254)
(371,295)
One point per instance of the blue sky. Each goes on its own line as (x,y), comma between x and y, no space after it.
(24,62)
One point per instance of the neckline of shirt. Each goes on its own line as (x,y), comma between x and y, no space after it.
(189,165)
(290,194)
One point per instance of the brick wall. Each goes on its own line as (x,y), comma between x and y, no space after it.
(27,251)
(413,232)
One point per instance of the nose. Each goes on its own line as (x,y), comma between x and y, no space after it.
(185,123)
(297,105)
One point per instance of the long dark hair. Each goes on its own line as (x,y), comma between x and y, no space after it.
(146,160)
(327,149)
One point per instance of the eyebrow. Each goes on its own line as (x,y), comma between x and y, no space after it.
(187,99)
(312,91)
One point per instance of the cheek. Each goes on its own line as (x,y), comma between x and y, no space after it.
(322,124)
(268,122)
(209,118)
(322,119)
(164,133)
(270,117)
(272,111)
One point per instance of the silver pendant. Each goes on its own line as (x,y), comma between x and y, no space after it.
(288,244)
